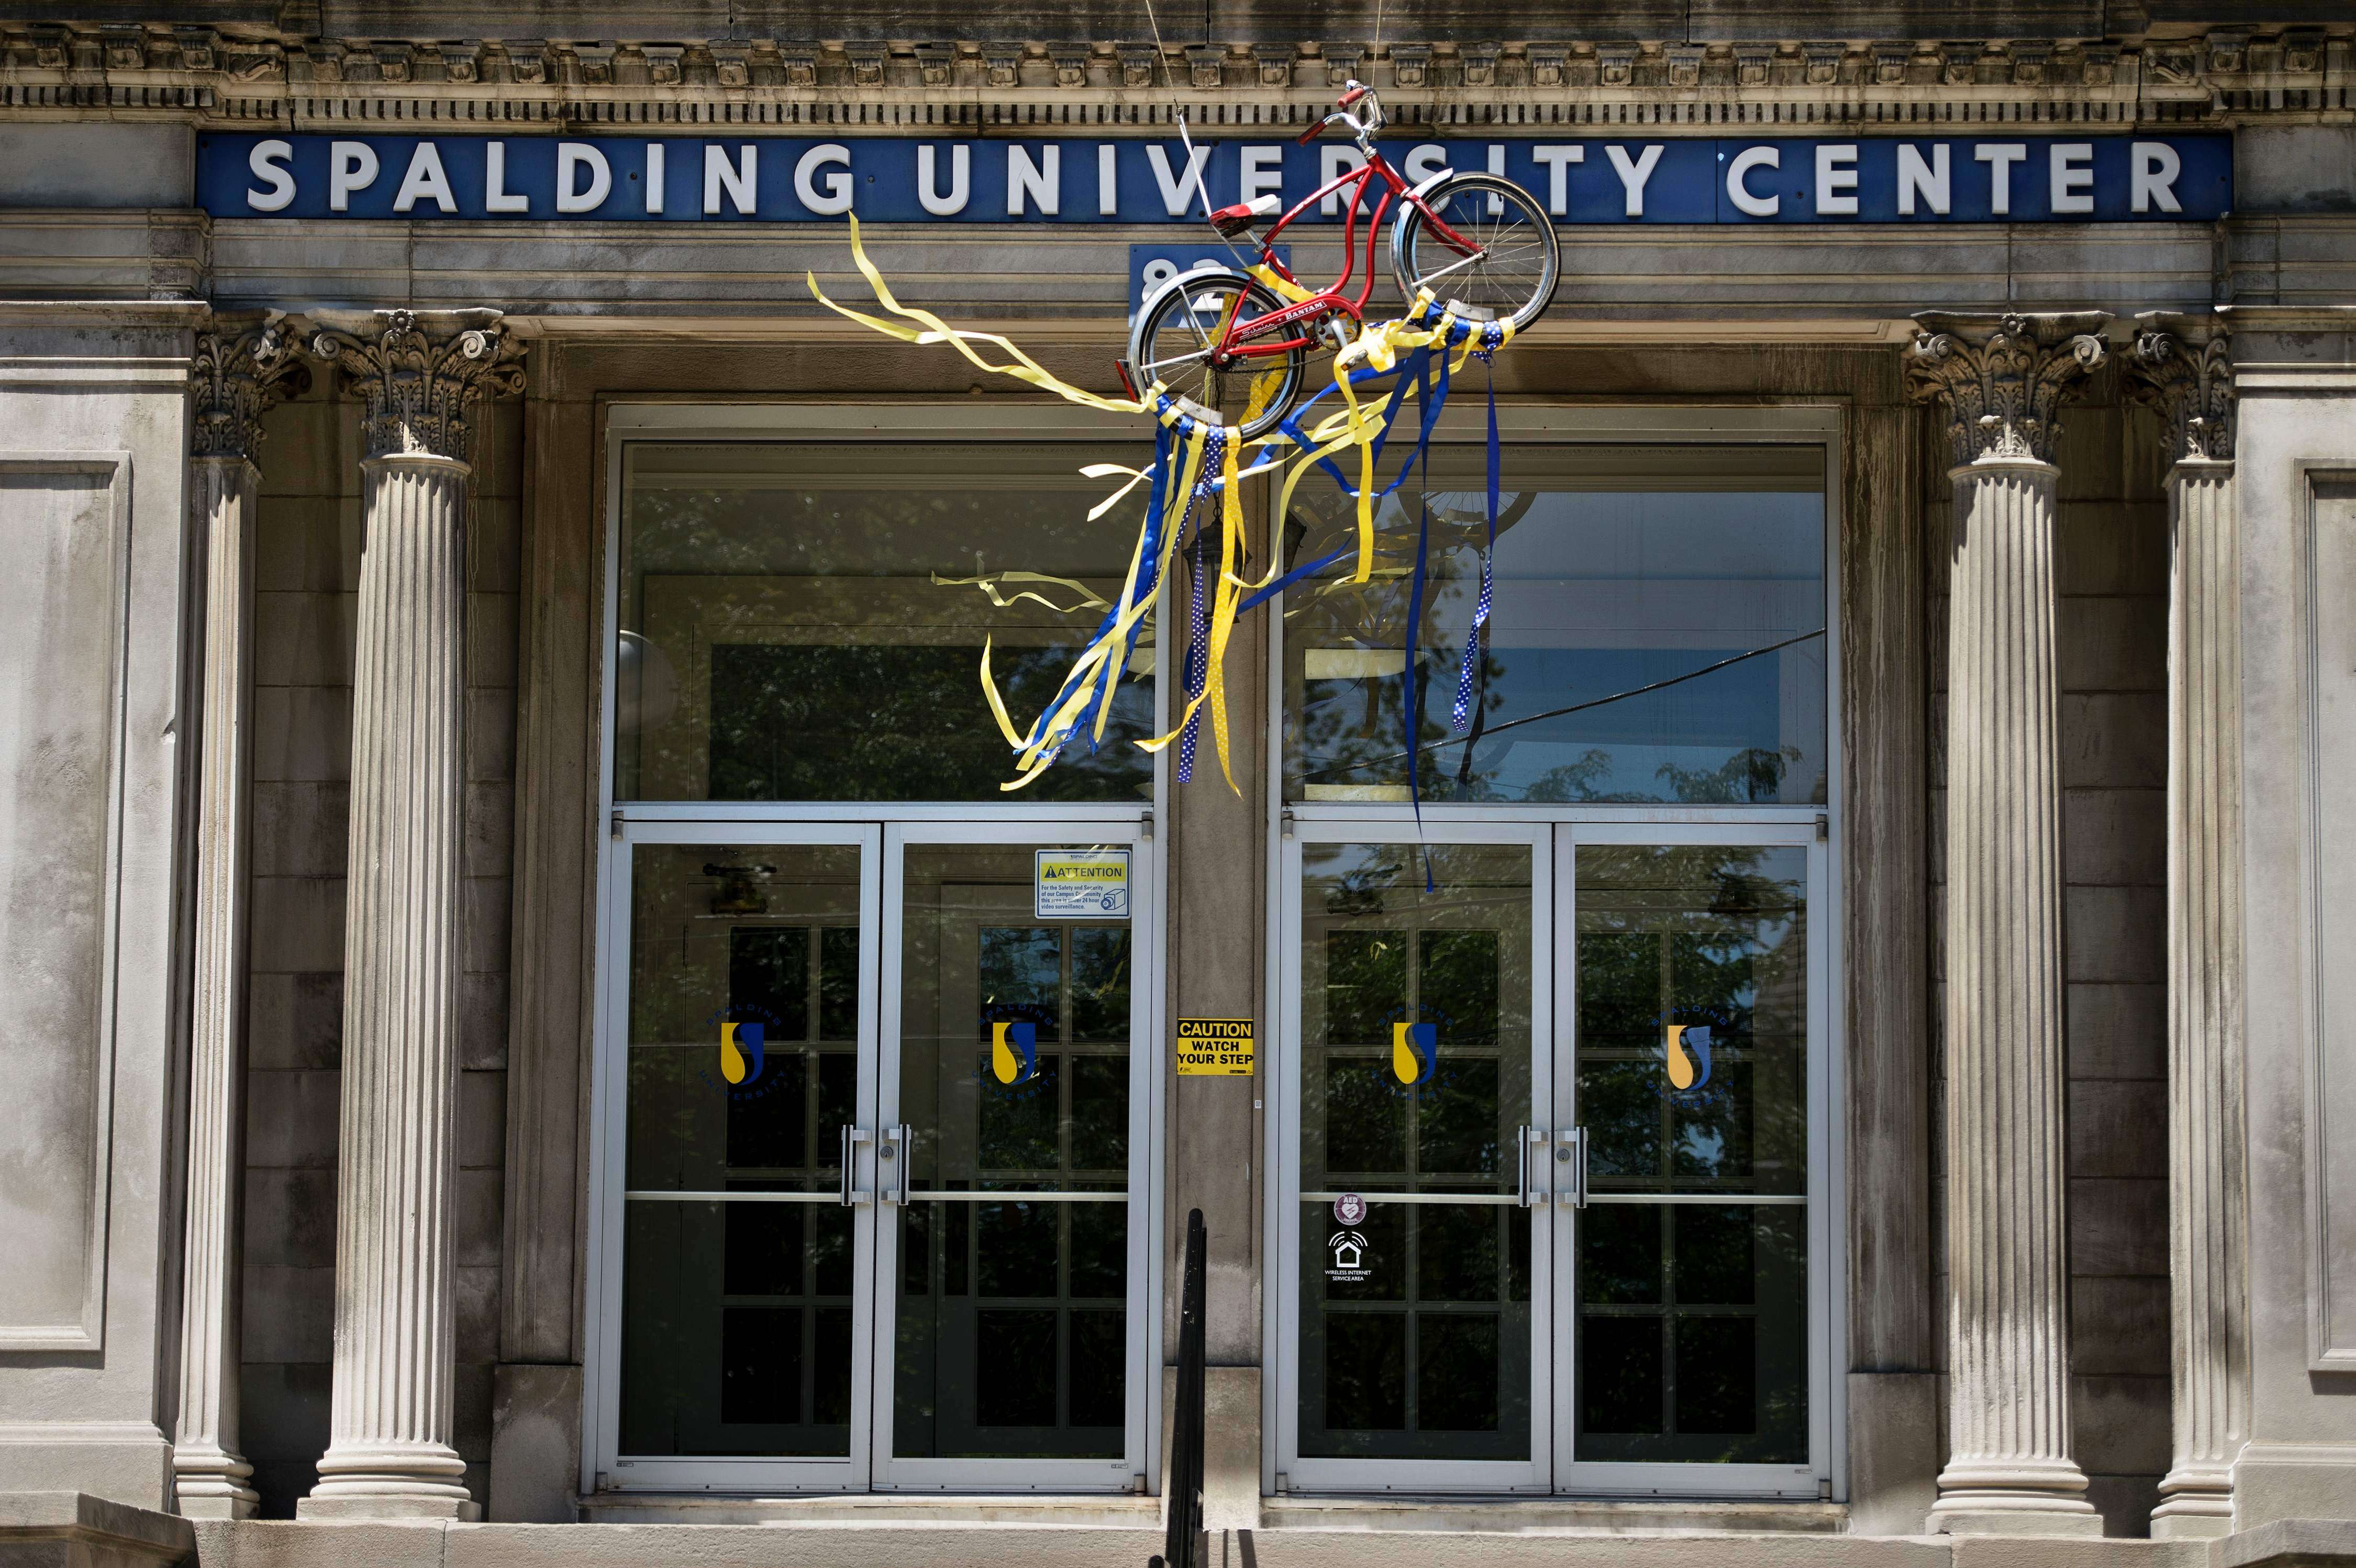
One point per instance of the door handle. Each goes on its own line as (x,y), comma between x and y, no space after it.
(852,1138)
(1524,1194)
(894,1148)
(1573,1142)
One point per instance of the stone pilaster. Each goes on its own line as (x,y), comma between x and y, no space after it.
(420,375)
(1999,379)
(2183,366)
(241,367)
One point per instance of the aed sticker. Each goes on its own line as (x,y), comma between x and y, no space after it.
(1214,1048)
(1080,884)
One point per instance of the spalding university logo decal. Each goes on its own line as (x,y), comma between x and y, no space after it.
(743,1054)
(1013,1051)
(1688,1035)
(1415,1051)
(1686,1049)
(1012,1067)
(740,1052)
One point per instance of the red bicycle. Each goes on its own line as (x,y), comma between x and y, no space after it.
(1223,337)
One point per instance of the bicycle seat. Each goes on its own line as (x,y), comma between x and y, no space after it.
(1240,218)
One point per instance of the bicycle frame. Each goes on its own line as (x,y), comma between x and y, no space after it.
(1244,339)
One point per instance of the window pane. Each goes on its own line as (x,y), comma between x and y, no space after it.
(1707,947)
(786,633)
(731,1085)
(1655,633)
(737,1329)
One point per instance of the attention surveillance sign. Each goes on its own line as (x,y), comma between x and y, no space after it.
(1998,177)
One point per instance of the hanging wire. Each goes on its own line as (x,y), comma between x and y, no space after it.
(1178,114)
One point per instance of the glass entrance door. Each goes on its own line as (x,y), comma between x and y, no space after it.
(1551,1111)
(1693,1093)
(878,1211)
(741,997)
(1016,1110)
(1415,1276)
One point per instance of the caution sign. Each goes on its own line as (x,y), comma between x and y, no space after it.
(1214,1048)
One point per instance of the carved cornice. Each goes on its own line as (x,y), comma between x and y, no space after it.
(2002,378)
(238,371)
(491,83)
(420,373)
(2183,366)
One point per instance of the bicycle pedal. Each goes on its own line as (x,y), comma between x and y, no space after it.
(1128,382)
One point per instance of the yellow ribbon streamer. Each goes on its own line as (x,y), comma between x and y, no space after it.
(936,330)
(988,584)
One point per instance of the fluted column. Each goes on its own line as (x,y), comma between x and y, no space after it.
(1998,380)
(2183,366)
(388,1453)
(240,366)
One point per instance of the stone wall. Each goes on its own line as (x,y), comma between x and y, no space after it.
(2111,631)
(307,576)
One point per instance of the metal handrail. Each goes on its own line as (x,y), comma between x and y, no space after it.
(1182,1545)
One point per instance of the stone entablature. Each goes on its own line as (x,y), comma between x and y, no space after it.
(2220,77)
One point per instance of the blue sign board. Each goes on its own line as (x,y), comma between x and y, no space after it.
(1151,267)
(1598,180)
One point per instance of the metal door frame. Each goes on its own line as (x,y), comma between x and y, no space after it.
(1576,1477)
(830,418)
(1137,1468)
(1799,420)
(1282,1253)
(609,1140)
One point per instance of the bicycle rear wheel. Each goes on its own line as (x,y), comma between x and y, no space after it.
(1515,259)
(1176,337)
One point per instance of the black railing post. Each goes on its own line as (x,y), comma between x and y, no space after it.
(1185,1510)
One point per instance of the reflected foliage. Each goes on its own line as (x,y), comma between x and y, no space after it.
(881,723)
(1637,596)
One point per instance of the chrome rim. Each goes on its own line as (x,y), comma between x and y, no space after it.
(1514,272)
(1177,350)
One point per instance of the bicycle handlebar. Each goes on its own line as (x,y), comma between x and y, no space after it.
(1359,108)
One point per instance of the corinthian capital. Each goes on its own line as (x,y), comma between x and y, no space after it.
(2183,366)
(2001,378)
(241,367)
(421,372)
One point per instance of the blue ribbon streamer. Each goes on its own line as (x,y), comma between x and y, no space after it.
(1198,660)
(1413,674)
(1149,560)
(1461,714)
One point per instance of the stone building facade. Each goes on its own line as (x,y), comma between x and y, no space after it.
(495,685)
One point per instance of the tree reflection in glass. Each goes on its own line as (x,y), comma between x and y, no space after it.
(1693,1316)
(1656,632)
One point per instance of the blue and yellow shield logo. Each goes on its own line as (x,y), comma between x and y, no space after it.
(1014,1052)
(1685,1055)
(1415,1052)
(740,1052)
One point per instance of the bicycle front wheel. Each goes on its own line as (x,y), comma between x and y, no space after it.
(1177,338)
(1498,250)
